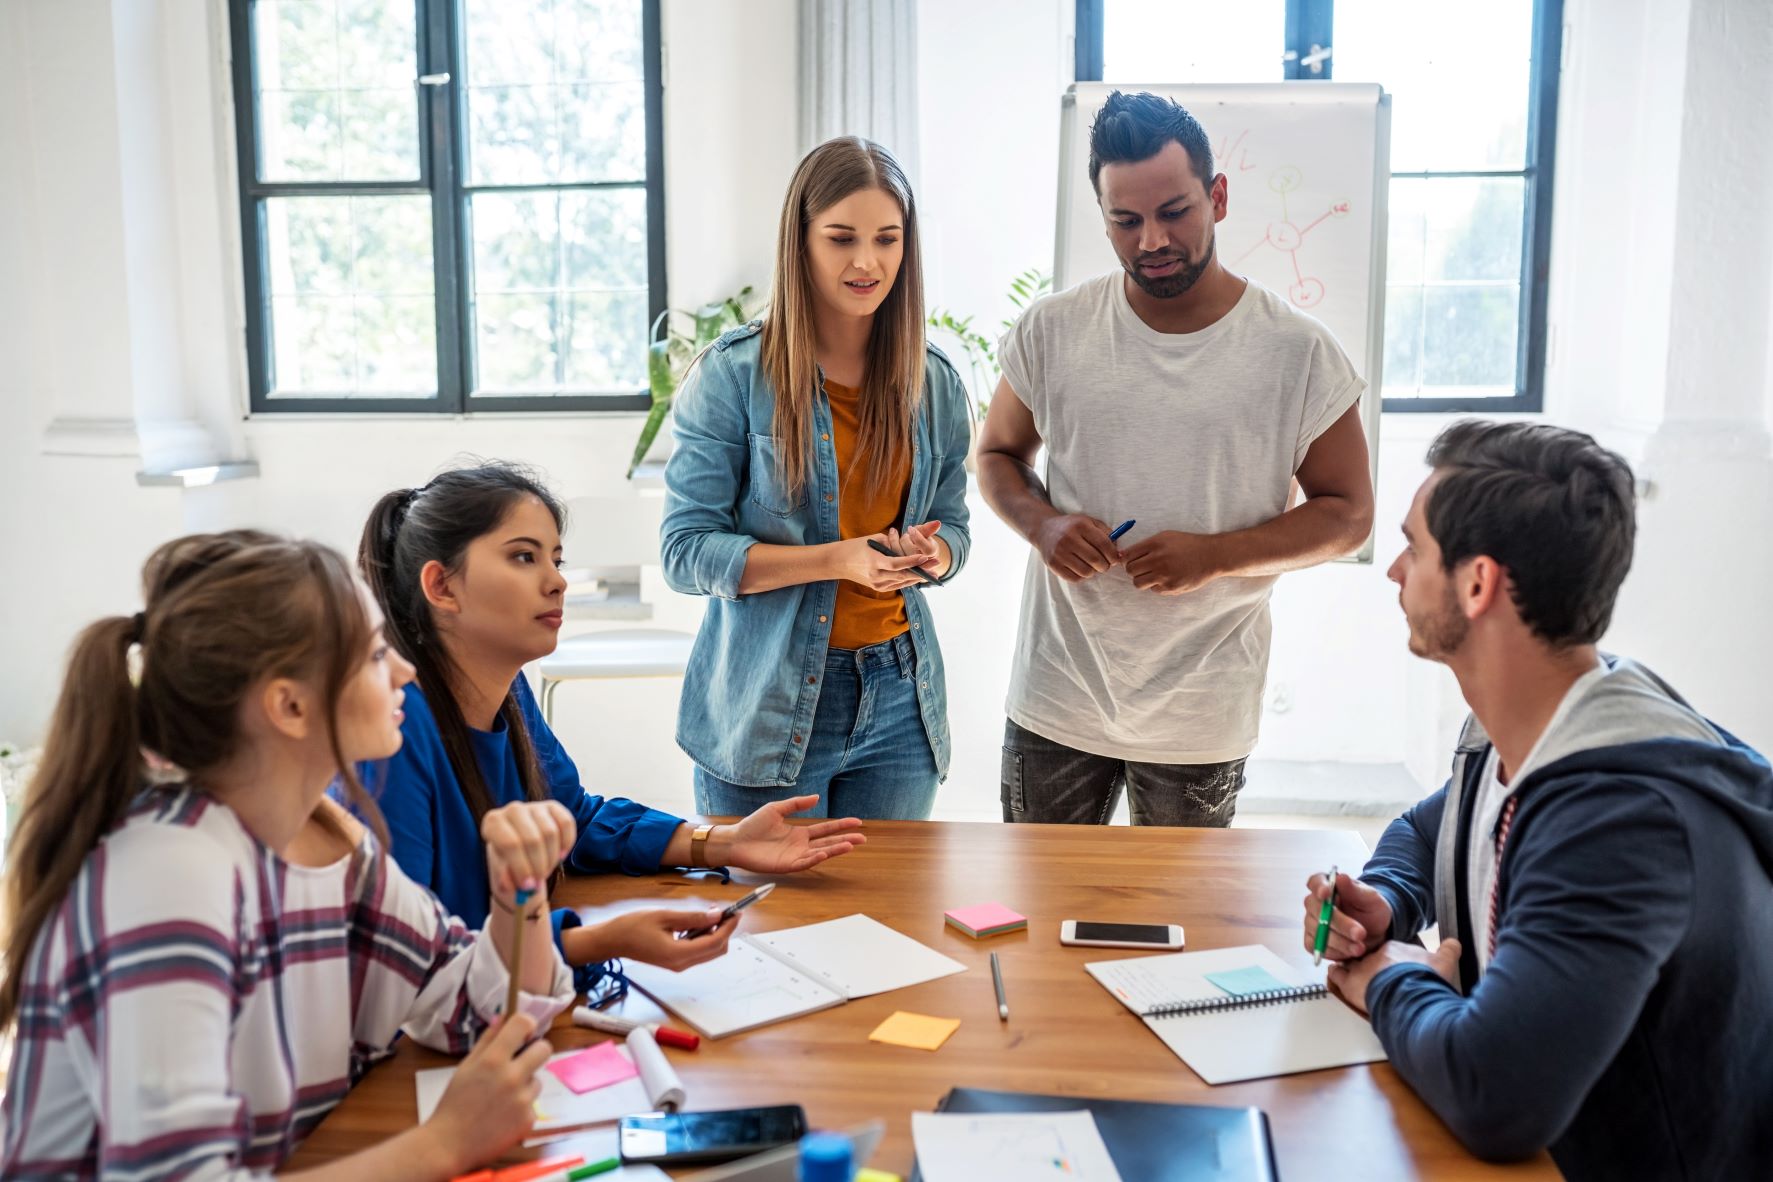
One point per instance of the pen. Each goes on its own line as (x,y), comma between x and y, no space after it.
(1323,922)
(880,546)
(1003,1005)
(589,1170)
(516,953)
(534,1171)
(1115,533)
(665,1036)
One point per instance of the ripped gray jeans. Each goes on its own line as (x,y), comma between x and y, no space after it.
(1050,782)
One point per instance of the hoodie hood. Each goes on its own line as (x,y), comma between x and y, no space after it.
(1630,722)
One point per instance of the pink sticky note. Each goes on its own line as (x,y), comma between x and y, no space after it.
(986,915)
(598,1067)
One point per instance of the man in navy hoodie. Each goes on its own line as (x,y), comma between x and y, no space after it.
(1600,864)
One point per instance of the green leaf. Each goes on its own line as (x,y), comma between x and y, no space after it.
(672,350)
(662,377)
(648,432)
(710,323)
(661,373)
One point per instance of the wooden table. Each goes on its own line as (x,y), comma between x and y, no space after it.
(1065,1034)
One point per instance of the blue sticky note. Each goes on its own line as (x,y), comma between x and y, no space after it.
(1245,981)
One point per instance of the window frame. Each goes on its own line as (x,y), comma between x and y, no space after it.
(1311,22)
(442,147)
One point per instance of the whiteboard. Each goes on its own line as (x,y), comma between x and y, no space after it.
(1307,168)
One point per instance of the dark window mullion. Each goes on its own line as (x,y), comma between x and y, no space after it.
(1087,39)
(263,189)
(437,161)
(1547,59)
(652,37)
(548,187)
(1309,22)
(252,236)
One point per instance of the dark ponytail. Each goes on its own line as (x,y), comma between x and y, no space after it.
(411,527)
(224,611)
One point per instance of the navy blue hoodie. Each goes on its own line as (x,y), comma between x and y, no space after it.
(1625,1021)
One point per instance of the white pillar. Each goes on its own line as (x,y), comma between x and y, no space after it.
(110,270)
(858,74)
(1722,291)
(1695,605)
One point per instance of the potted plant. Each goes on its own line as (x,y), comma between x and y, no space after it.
(675,344)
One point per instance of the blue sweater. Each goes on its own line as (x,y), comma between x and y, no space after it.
(1626,1019)
(433,835)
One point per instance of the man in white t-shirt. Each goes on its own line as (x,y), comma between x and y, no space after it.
(1187,399)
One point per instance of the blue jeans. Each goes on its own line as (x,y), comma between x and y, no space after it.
(867,754)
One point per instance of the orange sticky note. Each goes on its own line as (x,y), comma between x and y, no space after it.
(918,1031)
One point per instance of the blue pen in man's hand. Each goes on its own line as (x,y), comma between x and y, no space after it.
(1115,533)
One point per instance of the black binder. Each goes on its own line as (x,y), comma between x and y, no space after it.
(1152,1142)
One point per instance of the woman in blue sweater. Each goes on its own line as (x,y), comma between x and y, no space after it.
(467,573)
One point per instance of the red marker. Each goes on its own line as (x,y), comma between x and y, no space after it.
(665,1036)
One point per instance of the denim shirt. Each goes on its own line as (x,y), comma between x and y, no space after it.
(755,672)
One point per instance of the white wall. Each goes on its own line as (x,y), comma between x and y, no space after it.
(1665,275)
(84,336)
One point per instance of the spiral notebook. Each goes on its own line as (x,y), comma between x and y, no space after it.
(1227,1036)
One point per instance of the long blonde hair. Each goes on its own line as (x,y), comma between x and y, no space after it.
(892,382)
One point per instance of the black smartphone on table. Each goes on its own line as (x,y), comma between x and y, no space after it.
(665,1138)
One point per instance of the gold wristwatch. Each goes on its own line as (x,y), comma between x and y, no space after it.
(699,847)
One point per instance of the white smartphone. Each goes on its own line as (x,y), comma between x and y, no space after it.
(1154,936)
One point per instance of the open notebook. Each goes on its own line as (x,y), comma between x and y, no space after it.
(783,974)
(1226,1037)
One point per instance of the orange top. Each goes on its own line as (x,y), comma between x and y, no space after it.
(863,617)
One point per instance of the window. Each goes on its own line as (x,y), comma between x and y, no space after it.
(449,205)
(1474,103)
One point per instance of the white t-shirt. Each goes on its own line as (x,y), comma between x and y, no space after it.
(1480,862)
(1200,432)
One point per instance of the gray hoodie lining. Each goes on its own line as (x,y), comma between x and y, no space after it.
(1629,704)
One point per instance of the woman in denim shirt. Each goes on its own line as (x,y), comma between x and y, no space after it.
(800,439)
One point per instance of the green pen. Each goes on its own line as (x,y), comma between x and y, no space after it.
(1323,922)
(588,1170)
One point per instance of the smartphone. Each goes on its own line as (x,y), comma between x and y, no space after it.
(666,1138)
(1121,935)
(732,909)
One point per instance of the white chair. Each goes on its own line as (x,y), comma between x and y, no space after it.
(621,652)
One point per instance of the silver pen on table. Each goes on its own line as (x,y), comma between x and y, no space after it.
(1003,1005)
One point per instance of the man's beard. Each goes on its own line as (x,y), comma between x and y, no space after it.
(1168,287)
(1439,634)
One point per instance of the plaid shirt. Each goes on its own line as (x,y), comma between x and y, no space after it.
(197,1005)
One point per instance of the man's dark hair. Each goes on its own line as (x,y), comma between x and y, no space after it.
(1134,127)
(1554,507)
